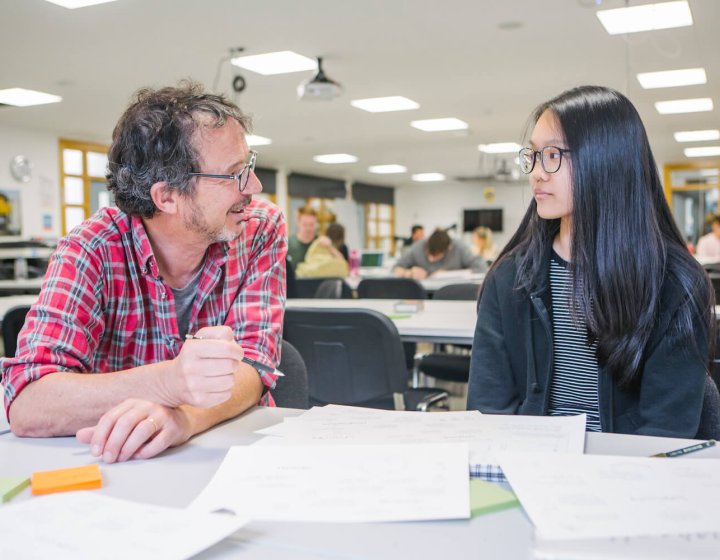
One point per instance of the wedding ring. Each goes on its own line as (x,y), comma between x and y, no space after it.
(154,424)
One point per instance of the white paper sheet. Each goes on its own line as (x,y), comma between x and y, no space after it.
(80,525)
(703,546)
(486,434)
(596,496)
(358,483)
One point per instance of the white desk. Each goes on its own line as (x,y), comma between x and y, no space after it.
(431,285)
(176,477)
(441,321)
(8,302)
(33,284)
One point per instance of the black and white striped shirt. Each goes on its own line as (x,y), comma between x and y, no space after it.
(574,384)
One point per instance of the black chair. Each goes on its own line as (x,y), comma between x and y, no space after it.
(307,287)
(290,280)
(291,391)
(453,365)
(333,288)
(355,357)
(391,288)
(12,324)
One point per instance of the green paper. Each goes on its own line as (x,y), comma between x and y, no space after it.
(488,498)
(399,316)
(10,486)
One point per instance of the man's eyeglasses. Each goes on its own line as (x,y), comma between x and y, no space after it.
(550,158)
(242,178)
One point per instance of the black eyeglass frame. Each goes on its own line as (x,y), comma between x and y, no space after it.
(242,184)
(541,153)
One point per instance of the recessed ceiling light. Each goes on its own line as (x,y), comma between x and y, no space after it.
(702,151)
(672,78)
(254,140)
(648,17)
(435,125)
(281,62)
(72,4)
(390,168)
(428,177)
(385,104)
(500,148)
(684,106)
(20,97)
(335,158)
(697,135)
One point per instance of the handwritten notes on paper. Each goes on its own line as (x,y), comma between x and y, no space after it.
(596,496)
(85,525)
(485,434)
(362,483)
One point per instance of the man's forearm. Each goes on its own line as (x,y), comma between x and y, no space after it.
(247,393)
(60,403)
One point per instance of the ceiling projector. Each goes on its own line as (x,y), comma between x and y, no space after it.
(320,87)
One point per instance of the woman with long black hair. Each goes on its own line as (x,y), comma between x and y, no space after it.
(595,305)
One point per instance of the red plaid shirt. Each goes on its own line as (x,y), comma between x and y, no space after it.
(104,307)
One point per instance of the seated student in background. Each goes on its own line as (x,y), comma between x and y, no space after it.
(483,244)
(327,255)
(708,246)
(299,243)
(103,352)
(595,305)
(437,252)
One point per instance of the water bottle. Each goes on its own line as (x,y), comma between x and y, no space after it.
(354,263)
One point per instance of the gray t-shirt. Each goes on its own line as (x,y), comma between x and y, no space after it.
(458,256)
(184,299)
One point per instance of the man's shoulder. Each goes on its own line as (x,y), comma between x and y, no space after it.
(106,226)
(264,210)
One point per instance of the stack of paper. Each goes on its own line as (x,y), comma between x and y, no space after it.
(87,477)
(594,506)
(10,486)
(360,483)
(82,525)
(487,435)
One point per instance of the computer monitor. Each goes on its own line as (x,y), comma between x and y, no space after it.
(488,217)
(370,258)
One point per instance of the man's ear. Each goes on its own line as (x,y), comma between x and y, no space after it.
(164,197)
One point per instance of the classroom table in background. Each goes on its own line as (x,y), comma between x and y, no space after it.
(431,284)
(177,476)
(440,322)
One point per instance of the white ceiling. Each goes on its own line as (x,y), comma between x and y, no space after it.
(454,57)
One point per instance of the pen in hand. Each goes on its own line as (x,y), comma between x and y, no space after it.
(686,450)
(257,365)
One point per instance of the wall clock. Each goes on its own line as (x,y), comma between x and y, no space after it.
(20,169)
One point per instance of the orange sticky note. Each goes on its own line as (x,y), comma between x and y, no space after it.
(64,480)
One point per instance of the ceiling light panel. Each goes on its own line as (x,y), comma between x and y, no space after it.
(254,140)
(436,125)
(335,158)
(72,4)
(702,151)
(385,104)
(500,148)
(20,97)
(428,177)
(281,62)
(389,168)
(648,17)
(697,135)
(684,106)
(672,78)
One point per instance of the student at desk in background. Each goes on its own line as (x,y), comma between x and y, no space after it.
(595,305)
(708,246)
(437,252)
(299,243)
(103,352)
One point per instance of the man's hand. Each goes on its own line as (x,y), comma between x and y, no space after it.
(136,429)
(418,273)
(203,373)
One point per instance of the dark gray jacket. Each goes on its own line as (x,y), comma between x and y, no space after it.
(512,361)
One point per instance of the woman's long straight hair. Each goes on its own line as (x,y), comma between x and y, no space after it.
(623,236)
